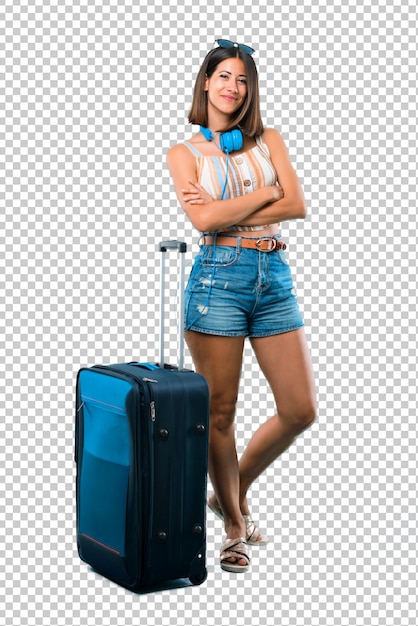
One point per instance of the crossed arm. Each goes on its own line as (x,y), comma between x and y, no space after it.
(267,205)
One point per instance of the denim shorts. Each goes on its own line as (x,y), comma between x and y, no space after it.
(241,292)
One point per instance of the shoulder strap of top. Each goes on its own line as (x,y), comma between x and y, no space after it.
(263,146)
(192,148)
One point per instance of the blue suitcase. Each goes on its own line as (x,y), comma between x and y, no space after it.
(141,454)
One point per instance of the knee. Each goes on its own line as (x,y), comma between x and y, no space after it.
(222,417)
(300,418)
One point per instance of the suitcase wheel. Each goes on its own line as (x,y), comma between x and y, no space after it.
(198,579)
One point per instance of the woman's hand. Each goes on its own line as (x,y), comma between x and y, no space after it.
(196,194)
(278,193)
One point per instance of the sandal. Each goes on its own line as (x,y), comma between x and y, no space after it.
(253,532)
(237,549)
(254,537)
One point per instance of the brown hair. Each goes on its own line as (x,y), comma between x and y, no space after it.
(248,117)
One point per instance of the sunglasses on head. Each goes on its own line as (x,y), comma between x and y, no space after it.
(225,43)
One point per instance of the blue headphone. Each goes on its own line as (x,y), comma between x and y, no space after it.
(229,142)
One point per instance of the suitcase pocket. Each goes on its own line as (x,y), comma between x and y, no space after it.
(105,475)
(109,488)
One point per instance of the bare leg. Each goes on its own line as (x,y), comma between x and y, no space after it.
(219,360)
(285,362)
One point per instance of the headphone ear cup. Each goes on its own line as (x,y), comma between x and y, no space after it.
(231,141)
(225,142)
(237,139)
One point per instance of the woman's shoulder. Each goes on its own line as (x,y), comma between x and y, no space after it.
(273,139)
(183,149)
(271,135)
(179,150)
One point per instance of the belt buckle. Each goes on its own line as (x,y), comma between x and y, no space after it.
(272,244)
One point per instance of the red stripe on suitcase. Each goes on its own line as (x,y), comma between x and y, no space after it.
(100,543)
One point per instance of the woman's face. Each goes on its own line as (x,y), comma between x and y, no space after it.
(227,87)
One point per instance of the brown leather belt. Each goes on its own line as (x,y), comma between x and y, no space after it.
(264,244)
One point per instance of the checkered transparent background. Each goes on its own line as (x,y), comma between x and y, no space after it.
(92,96)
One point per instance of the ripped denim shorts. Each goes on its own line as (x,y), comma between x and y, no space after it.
(241,292)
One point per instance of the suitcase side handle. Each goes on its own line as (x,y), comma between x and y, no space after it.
(181,248)
(148,366)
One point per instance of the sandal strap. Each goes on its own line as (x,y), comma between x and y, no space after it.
(253,532)
(235,548)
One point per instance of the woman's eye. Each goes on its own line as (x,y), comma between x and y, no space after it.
(241,81)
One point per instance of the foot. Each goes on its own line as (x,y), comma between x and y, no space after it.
(235,556)
(253,534)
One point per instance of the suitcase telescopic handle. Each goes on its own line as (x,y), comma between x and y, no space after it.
(181,248)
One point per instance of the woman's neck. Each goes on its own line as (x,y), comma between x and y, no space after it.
(218,123)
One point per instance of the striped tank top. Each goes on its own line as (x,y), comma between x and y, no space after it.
(247,172)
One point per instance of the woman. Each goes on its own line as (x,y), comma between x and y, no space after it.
(236,184)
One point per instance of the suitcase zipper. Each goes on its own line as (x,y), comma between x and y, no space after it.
(153,411)
(87,399)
